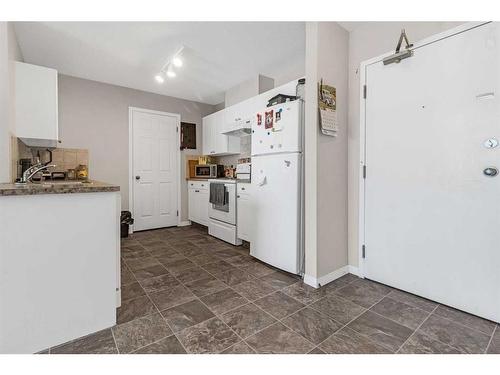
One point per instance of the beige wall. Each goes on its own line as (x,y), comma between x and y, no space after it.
(94,116)
(365,42)
(326,157)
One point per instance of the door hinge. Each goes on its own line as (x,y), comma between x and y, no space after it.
(363,251)
(364,91)
(177,129)
(364,171)
(177,212)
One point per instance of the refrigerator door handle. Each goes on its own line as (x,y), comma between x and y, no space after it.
(262,182)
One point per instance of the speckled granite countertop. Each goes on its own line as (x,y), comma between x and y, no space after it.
(57,187)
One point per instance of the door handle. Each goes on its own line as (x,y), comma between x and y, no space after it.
(490,171)
(137,178)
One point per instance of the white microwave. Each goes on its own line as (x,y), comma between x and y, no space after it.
(209,170)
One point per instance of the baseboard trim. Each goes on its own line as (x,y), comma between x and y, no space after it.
(184,223)
(354,270)
(311,281)
(328,278)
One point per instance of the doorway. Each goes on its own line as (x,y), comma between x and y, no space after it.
(429,210)
(154,191)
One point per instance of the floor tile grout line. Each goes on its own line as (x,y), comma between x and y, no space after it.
(215,315)
(114,340)
(491,339)
(416,329)
(423,333)
(430,313)
(463,325)
(346,325)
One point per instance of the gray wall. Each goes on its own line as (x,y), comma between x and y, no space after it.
(94,116)
(326,157)
(365,42)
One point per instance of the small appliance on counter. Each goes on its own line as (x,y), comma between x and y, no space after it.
(244,171)
(209,171)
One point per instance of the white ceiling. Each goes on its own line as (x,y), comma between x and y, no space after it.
(217,55)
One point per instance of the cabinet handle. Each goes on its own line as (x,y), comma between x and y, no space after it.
(196,191)
(237,196)
(242,188)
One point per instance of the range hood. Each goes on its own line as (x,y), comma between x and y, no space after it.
(39,143)
(239,132)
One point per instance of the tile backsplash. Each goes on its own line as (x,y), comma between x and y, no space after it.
(69,158)
(63,158)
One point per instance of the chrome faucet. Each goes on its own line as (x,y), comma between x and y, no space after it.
(31,171)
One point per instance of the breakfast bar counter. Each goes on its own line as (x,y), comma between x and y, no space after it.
(56,187)
(59,262)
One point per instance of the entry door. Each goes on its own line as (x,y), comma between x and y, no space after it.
(154,169)
(432,215)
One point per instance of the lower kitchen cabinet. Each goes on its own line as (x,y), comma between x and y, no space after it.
(244,212)
(198,201)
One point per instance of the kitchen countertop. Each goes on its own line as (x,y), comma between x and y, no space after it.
(57,187)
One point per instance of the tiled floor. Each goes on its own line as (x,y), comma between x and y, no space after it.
(184,291)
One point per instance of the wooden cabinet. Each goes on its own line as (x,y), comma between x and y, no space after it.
(36,104)
(214,142)
(198,201)
(244,212)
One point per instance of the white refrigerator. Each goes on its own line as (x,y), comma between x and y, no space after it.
(277,165)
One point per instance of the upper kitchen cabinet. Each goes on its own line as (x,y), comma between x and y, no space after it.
(214,142)
(36,105)
(240,117)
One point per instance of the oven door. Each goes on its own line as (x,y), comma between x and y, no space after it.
(227,212)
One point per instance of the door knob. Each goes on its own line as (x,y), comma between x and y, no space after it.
(490,171)
(137,178)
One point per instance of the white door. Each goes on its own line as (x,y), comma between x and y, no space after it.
(155,163)
(431,213)
(276,210)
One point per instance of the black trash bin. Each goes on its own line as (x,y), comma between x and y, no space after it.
(125,221)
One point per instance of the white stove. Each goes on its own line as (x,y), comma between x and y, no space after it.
(222,218)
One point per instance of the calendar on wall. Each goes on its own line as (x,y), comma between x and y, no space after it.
(327,106)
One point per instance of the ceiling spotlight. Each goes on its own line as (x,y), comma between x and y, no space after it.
(177,61)
(171,73)
(160,77)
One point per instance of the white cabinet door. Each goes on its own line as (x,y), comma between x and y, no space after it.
(244,212)
(203,207)
(214,141)
(208,135)
(198,202)
(192,203)
(36,102)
